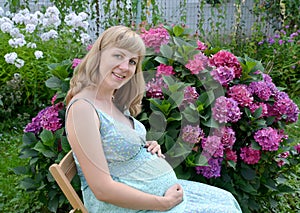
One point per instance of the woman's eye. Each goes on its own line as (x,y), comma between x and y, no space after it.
(132,62)
(118,56)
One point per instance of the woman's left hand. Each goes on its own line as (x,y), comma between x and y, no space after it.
(154,147)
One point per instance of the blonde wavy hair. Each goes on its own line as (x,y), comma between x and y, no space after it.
(88,73)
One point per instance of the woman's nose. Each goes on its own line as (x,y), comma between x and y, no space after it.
(124,65)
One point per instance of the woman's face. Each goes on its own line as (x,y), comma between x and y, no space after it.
(118,65)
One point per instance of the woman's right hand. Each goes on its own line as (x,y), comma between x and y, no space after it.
(173,196)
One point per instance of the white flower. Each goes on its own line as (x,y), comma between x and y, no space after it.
(38,54)
(11,57)
(6,27)
(83,15)
(16,42)
(18,18)
(30,28)
(15,32)
(8,13)
(1,11)
(31,45)
(85,38)
(48,35)
(19,63)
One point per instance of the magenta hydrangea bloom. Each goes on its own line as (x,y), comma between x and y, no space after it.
(255,106)
(227,135)
(213,169)
(297,148)
(76,62)
(201,46)
(197,64)
(230,155)
(226,110)
(192,134)
(224,58)
(269,138)
(47,118)
(241,94)
(163,69)
(154,88)
(249,155)
(260,89)
(155,37)
(223,75)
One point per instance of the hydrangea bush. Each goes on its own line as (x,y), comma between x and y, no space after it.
(218,117)
(32,41)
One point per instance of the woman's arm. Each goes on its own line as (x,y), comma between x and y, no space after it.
(84,136)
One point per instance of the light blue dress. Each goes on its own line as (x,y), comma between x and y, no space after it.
(131,164)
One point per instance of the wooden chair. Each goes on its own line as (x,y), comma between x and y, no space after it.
(63,174)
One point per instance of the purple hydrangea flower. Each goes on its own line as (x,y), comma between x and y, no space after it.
(223,75)
(192,134)
(269,138)
(255,106)
(213,169)
(163,69)
(249,155)
(226,110)
(212,146)
(155,37)
(260,89)
(297,148)
(227,135)
(230,155)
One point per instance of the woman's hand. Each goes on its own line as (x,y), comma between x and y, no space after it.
(174,196)
(154,147)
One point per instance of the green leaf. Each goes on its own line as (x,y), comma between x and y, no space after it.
(54,83)
(169,142)
(166,51)
(28,153)
(40,147)
(248,173)
(257,112)
(28,184)
(285,189)
(47,137)
(20,170)
(175,116)
(211,123)
(53,204)
(161,60)
(201,160)
(178,30)
(232,164)
(191,115)
(29,138)
(65,144)
(157,121)
(181,173)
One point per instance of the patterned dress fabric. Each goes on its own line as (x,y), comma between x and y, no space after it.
(131,164)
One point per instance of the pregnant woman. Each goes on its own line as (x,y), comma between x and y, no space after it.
(119,170)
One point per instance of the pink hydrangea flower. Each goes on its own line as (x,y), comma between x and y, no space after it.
(285,108)
(192,134)
(76,62)
(230,155)
(154,88)
(201,46)
(197,64)
(249,155)
(155,37)
(190,94)
(269,138)
(163,69)
(297,148)
(227,135)
(240,94)
(226,110)
(223,75)
(224,58)
(212,146)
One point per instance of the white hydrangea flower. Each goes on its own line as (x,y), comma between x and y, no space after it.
(1,11)
(19,63)
(83,15)
(38,54)
(17,42)
(51,17)
(15,32)
(11,57)
(5,19)
(18,18)
(6,27)
(30,28)
(31,45)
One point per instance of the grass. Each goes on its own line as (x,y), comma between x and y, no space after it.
(14,199)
